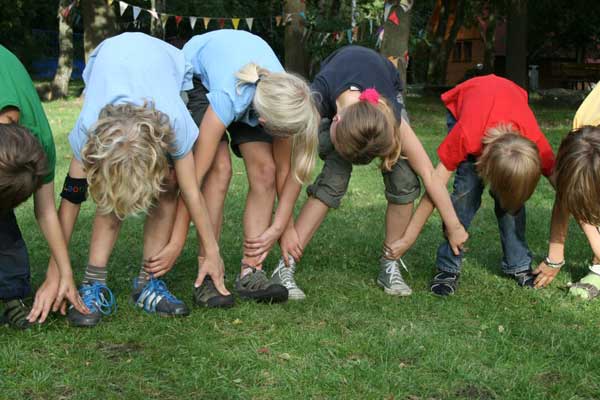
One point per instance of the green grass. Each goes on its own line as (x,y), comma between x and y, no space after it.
(348,340)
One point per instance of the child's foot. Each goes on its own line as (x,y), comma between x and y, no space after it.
(15,314)
(254,285)
(390,278)
(284,275)
(154,297)
(524,279)
(587,288)
(444,283)
(99,300)
(207,295)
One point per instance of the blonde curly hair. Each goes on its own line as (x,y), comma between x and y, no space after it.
(126,158)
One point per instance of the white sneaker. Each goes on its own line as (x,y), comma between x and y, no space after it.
(390,278)
(284,275)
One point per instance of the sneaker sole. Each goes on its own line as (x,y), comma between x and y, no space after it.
(393,292)
(273,294)
(296,297)
(88,324)
(223,302)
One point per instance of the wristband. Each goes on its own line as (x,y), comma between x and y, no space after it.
(552,264)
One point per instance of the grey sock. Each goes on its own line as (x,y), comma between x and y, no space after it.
(142,278)
(95,274)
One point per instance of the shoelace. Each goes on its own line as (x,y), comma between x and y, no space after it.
(155,291)
(287,276)
(97,296)
(394,272)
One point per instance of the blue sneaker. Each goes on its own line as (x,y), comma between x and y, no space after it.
(154,297)
(99,300)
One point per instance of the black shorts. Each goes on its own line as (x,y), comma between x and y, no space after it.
(14,260)
(239,132)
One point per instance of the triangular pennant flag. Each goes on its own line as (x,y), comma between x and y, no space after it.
(370,26)
(193,22)
(304,32)
(406,5)
(123,6)
(325,38)
(394,18)
(355,33)
(278,20)
(153,13)
(288,18)
(206,22)
(110,2)
(302,14)
(221,23)
(387,8)
(235,22)
(340,37)
(249,22)
(163,20)
(178,19)
(349,35)
(136,12)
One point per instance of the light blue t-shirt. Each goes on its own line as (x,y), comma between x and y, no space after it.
(136,68)
(216,57)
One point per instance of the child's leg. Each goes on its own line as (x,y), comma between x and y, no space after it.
(14,272)
(216,185)
(517,258)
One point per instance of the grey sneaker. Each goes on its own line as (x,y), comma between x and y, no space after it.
(256,286)
(390,278)
(284,275)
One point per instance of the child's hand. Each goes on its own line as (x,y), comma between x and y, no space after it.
(397,249)
(44,299)
(457,237)
(545,275)
(261,245)
(212,265)
(68,291)
(290,245)
(163,262)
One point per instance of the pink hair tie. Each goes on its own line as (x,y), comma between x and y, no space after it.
(371,95)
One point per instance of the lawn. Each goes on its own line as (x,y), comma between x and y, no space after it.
(348,340)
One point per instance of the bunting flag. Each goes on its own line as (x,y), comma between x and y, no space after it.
(325,37)
(110,2)
(206,22)
(394,18)
(386,10)
(221,23)
(164,18)
(249,22)
(123,6)
(178,19)
(235,22)
(407,5)
(288,18)
(349,35)
(193,22)
(278,20)
(154,14)
(370,27)
(136,12)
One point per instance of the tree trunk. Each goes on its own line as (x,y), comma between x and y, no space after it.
(451,16)
(296,59)
(60,84)
(99,23)
(156,28)
(395,41)
(489,55)
(516,43)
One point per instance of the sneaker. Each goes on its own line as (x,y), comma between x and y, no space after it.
(390,278)
(207,295)
(99,300)
(15,314)
(284,275)
(155,298)
(256,286)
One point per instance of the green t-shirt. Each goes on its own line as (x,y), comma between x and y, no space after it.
(16,90)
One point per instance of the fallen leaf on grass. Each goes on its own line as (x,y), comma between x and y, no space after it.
(263,350)
(237,321)
(285,356)
(500,329)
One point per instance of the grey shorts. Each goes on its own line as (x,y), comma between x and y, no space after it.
(239,132)
(401,183)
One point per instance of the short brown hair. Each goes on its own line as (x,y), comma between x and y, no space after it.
(511,164)
(578,174)
(367,131)
(23,165)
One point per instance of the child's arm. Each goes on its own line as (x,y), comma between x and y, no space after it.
(435,181)
(288,190)
(46,297)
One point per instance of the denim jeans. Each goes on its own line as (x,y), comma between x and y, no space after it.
(466,199)
(14,261)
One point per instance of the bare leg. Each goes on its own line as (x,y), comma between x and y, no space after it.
(397,217)
(311,216)
(215,186)
(260,167)
(105,231)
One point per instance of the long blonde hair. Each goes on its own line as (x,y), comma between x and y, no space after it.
(285,102)
(367,131)
(511,164)
(125,158)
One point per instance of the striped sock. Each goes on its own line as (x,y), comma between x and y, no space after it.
(94,274)
(142,278)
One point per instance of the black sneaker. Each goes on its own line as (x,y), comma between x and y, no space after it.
(15,314)
(155,298)
(524,279)
(444,283)
(256,286)
(98,299)
(207,295)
